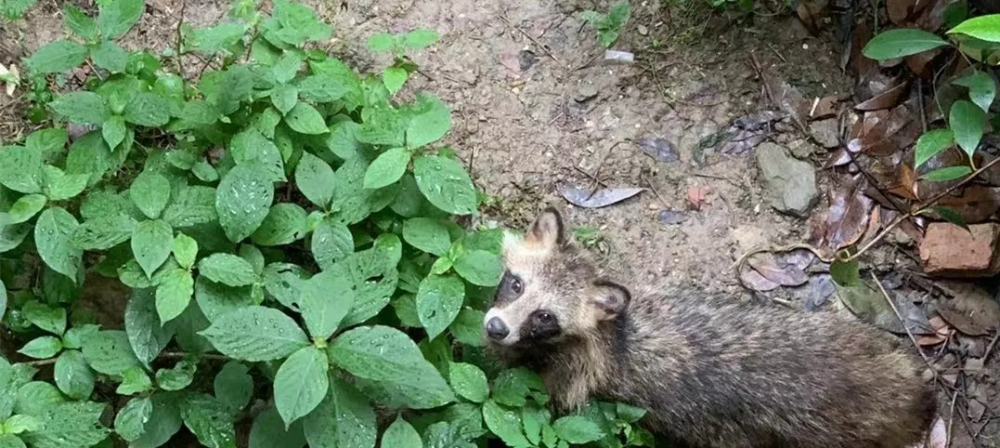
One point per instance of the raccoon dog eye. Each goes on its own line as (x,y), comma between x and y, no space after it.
(544,317)
(516,286)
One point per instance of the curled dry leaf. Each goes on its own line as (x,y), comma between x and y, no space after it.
(660,149)
(600,198)
(848,216)
(884,100)
(825,107)
(746,132)
(976,204)
(818,291)
(767,271)
(920,63)
(755,281)
(970,309)
(940,334)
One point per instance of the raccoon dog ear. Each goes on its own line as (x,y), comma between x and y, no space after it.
(610,298)
(547,229)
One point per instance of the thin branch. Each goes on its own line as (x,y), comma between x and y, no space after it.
(164,355)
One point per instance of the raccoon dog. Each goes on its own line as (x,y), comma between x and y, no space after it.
(711,372)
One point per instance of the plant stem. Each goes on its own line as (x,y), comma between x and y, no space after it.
(164,355)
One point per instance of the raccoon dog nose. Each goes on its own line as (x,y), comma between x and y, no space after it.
(496,329)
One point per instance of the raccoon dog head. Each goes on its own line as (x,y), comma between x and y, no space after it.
(549,291)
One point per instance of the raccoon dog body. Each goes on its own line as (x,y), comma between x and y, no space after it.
(711,372)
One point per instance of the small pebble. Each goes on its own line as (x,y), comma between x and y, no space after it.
(613,57)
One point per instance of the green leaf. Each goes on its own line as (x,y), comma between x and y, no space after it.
(982,88)
(134,381)
(74,337)
(41,348)
(49,318)
(343,419)
(381,42)
(176,378)
(305,119)
(131,420)
(115,18)
(284,281)
(60,186)
(439,300)
(269,431)
(173,293)
(951,216)
(902,42)
(35,396)
(57,56)
(577,429)
(325,300)
(162,424)
(114,131)
(103,233)
(18,424)
(314,178)
(505,424)
(147,109)
(301,384)
(931,144)
(480,267)
(985,27)
(15,10)
(387,168)
(468,327)
(25,208)
(73,376)
(388,356)
(401,434)
(256,333)
(109,352)
(243,200)
(185,250)
(150,192)
(69,425)
(53,231)
(967,122)
(234,386)
(428,235)
(284,224)
(446,184)
(284,97)
(146,334)
(110,56)
(394,78)
(81,107)
(845,273)
(192,205)
(287,67)
(209,421)
(227,269)
(251,146)
(947,174)
(419,39)
(322,88)
(79,23)
(152,243)
(430,120)
(21,169)
(469,381)
(213,39)
(216,300)
(331,242)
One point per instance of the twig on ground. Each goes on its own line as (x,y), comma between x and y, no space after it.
(503,17)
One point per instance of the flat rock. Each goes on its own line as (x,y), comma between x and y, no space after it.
(826,132)
(789,183)
(951,251)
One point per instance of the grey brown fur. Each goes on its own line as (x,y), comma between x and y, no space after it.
(711,372)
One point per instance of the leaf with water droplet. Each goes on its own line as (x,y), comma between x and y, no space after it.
(104,232)
(439,300)
(227,269)
(150,192)
(252,146)
(305,119)
(427,234)
(152,243)
(109,352)
(480,267)
(174,293)
(468,381)
(387,168)
(163,422)
(269,431)
(25,208)
(147,336)
(53,239)
(314,178)
(401,434)
(446,184)
(185,250)
(134,381)
(68,425)
(386,355)
(177,377)
(49,318)
(73,376)
(325,300)
(256,333)
(42,347)
(209,420)
(131,419)
(343,419)
(504,423)
(331,242)
(430,119)
(300,384)
(234,386)
(243,200)
(285,223)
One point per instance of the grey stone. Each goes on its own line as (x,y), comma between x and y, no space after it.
(585,93)
(826,132)
(789,183)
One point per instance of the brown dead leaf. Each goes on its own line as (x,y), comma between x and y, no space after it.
(940,334)
(907,187)
(512,63)
(976,204)
(884,100)
(811,13)
(874,224)
(825,107)
(861,65)
(848,216)
(786,269)
(938,437)
(970,309)
(839,157)
(920,63)
(697,196)
(755,281)
(899,10)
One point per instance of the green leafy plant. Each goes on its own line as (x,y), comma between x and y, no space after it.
(608,25)
(977,39)
(287,238)
(12,10)
(402,67)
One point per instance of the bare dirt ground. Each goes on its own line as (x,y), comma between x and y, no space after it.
(534,108)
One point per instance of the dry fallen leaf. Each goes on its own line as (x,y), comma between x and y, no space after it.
(976,204)
(970,309)
(940,334)
(884,100)
(755,281)
(849,213)
(697,196)
(899,10)
(600,198)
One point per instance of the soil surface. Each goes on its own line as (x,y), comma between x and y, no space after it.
(535,108)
